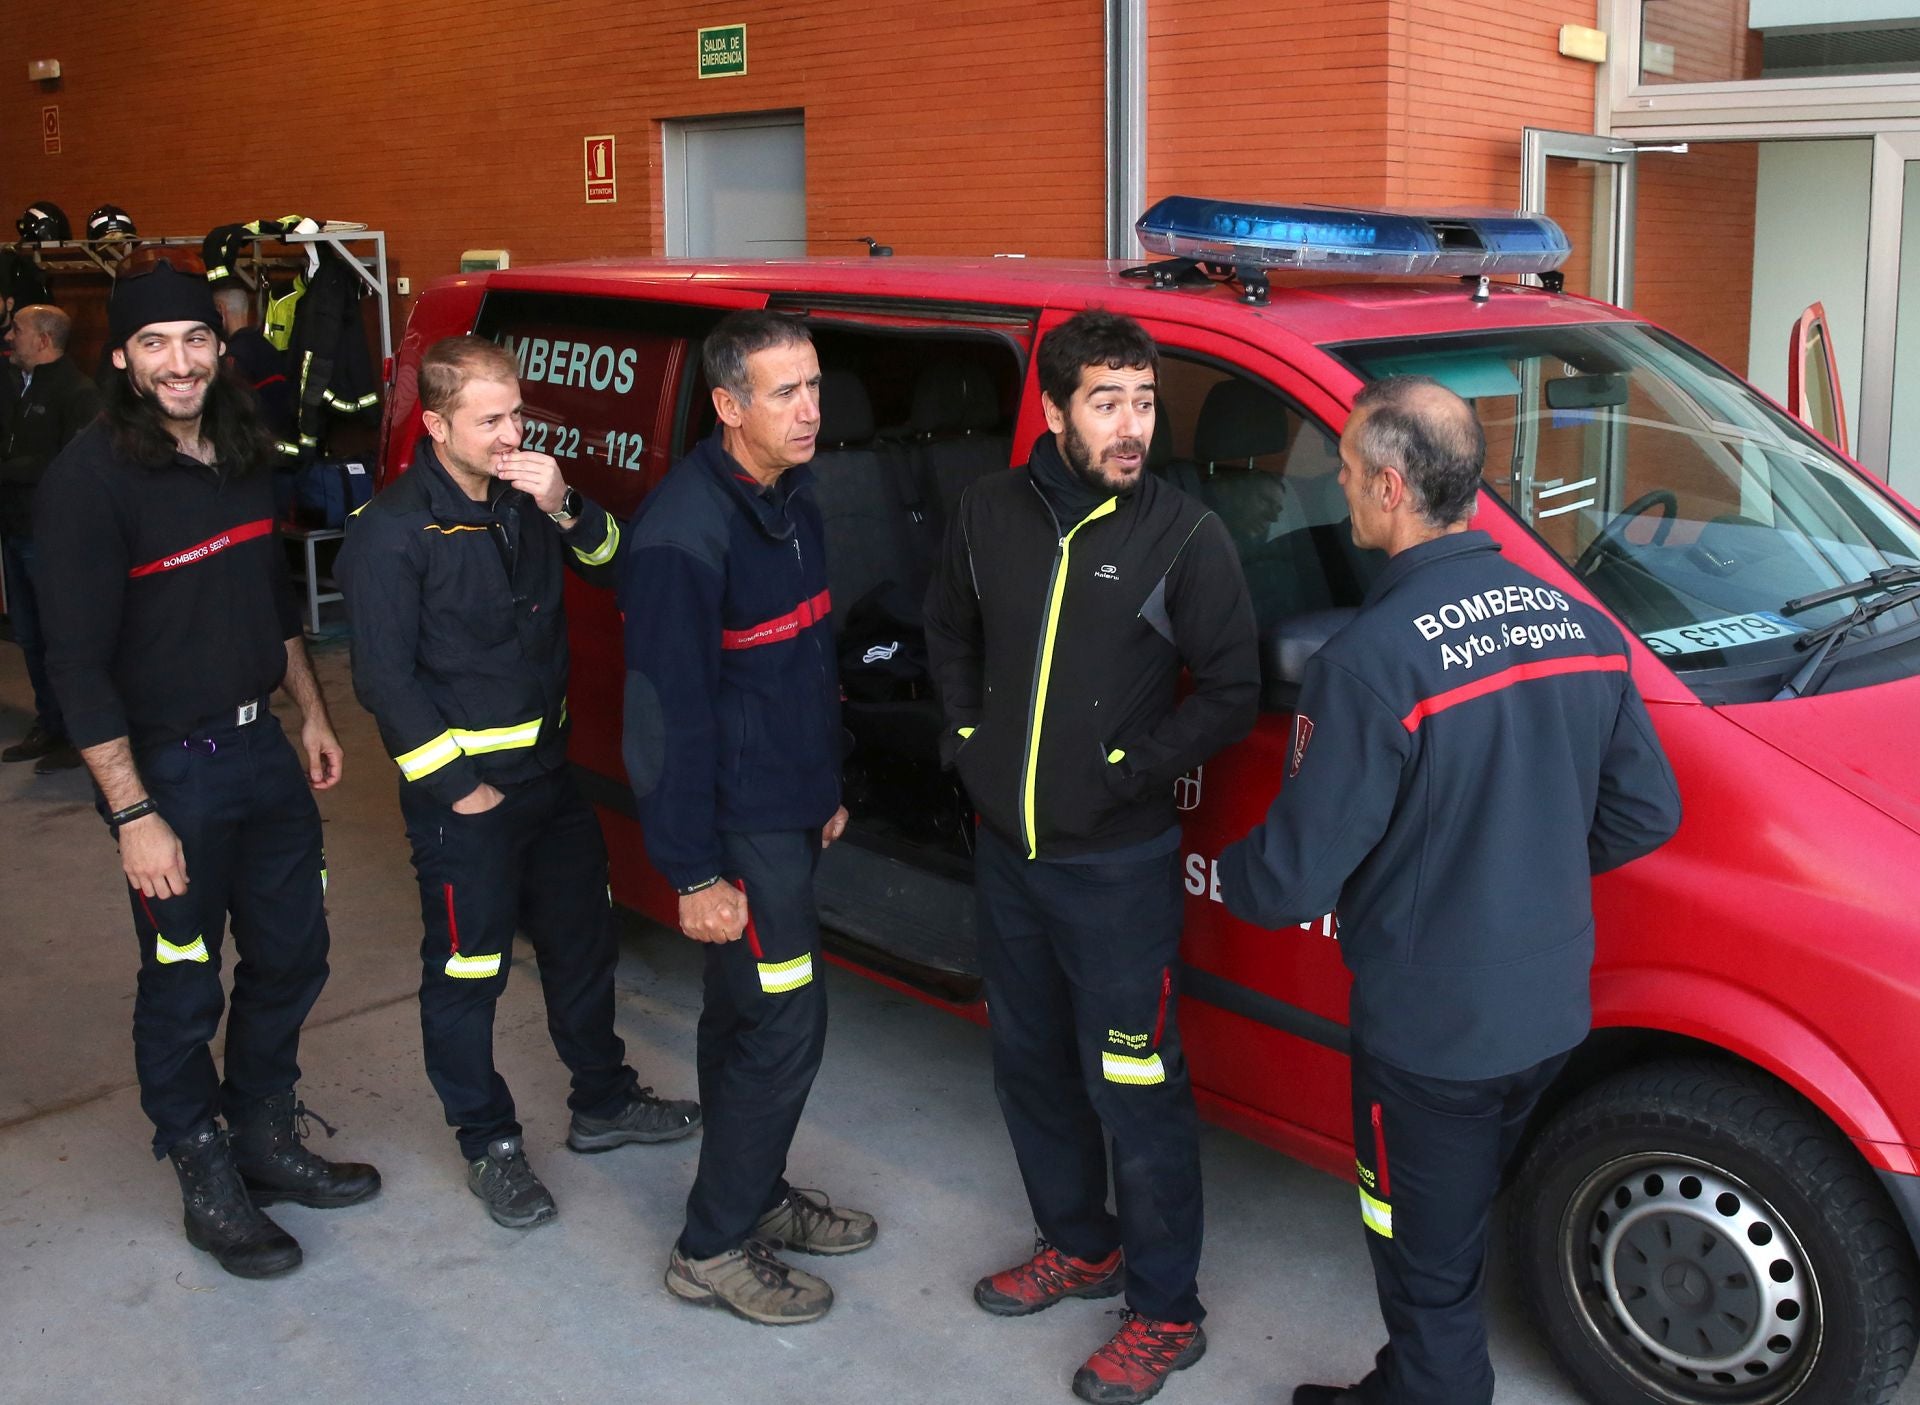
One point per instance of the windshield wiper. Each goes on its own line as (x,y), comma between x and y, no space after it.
(1822,641)
(1886,578)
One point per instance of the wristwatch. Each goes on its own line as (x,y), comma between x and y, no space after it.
(570,505)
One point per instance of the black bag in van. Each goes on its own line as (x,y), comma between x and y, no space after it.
(883,648)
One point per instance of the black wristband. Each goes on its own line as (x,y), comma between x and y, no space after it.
(701,887)
(137,810)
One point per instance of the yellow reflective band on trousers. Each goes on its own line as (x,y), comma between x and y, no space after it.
(166,953)
(429,757)
(473,968)
(1377,1214)
(1125,1068)
(1056,591)
(777,977)
(603,553)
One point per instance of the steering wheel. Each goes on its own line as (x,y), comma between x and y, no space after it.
(1611,540)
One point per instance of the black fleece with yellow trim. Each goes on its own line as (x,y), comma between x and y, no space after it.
(459,626)
(1058,648)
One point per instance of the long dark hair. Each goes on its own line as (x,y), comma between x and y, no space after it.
(230,421)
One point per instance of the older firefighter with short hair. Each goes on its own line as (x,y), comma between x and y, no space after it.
(1070,596)
(1467,753)
(453,583)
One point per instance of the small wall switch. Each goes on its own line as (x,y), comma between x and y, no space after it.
(403,286)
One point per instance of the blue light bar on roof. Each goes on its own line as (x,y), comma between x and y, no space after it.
(1356,240)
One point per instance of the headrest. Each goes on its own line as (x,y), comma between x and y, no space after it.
(846,410)
(1160,447)
(1240,420)
(953,397)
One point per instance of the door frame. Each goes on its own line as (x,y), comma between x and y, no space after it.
(1538,145)
(1886,205)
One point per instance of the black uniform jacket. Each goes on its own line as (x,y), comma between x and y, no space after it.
(1467,753)
(1057,648)
(459,633)
(164,592)
(36,423)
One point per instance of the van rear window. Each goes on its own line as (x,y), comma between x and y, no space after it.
(598,377)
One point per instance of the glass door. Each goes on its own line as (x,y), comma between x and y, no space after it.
(1889,422)
(1585,184)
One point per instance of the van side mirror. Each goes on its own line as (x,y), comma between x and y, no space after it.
(1285,649)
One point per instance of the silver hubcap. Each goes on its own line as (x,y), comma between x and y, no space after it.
(1692,1278)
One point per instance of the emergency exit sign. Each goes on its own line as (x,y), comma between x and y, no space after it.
(723,51)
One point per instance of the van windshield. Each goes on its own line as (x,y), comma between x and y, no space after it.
(1697,512)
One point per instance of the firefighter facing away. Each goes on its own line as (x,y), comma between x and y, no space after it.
(1468,751)
(1070,595)
(453,578)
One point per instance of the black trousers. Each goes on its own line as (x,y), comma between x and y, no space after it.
(1430,1153)
(762,1031)
(535,862)
(237,797)
(1082,971)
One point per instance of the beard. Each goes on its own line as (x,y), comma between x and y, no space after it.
(1096,475)
(145,388)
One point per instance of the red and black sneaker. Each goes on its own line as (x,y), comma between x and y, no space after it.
(1136,1363)
(1046,1278)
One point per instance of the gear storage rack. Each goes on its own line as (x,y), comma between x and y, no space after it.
(365,251)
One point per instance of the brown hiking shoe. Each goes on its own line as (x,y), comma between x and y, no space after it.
(1046,1278)
(807,1223)
(750,1282)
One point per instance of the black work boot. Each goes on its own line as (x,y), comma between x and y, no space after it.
(504,1179)
(267,1151)
(220,1217)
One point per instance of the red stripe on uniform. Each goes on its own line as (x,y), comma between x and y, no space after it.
(753,937)
(453,925)
(807,612)
(1506,678)
(200,551)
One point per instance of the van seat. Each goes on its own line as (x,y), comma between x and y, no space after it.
(871,538)
(954,420)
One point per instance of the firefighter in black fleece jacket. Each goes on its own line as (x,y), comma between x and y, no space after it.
(1069,596)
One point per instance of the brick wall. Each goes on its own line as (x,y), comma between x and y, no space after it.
(1693,245)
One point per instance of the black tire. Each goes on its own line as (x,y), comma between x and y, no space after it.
(1696,1233)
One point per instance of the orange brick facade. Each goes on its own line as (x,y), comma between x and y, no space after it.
(972,127)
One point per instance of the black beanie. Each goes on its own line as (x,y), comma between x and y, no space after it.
(158,295)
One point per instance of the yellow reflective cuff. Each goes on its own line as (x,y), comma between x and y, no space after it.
(603,553)
(965,732)
(1125,1068)
(425,760)
(1116,756)
(214,274)
(521,734)
(777,977)
(367,401)
(473,968)
(292,451)
(1377,1214)
(166,953)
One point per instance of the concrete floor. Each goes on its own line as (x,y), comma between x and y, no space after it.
(417,1297)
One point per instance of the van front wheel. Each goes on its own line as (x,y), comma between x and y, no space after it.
(1696,1233)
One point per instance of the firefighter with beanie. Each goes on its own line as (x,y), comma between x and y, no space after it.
(1069,597)
(1454,804)
(170,620)
(453,577)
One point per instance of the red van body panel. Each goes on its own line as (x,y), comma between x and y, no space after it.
(1778,925)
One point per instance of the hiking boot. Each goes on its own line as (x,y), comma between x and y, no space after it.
(645,1118)
(220,1218)
(514,1196)
(267,1152)
(1046,1278)
(750,1282)
(35,744)
(807,1223)
(63,757)
(1137,1361)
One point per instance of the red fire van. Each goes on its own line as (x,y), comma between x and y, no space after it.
(1719,1202)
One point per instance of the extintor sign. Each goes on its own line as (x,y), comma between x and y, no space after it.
(602,189)
(50,129)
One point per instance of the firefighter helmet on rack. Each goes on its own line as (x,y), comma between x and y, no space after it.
(44,222)
(110,222)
